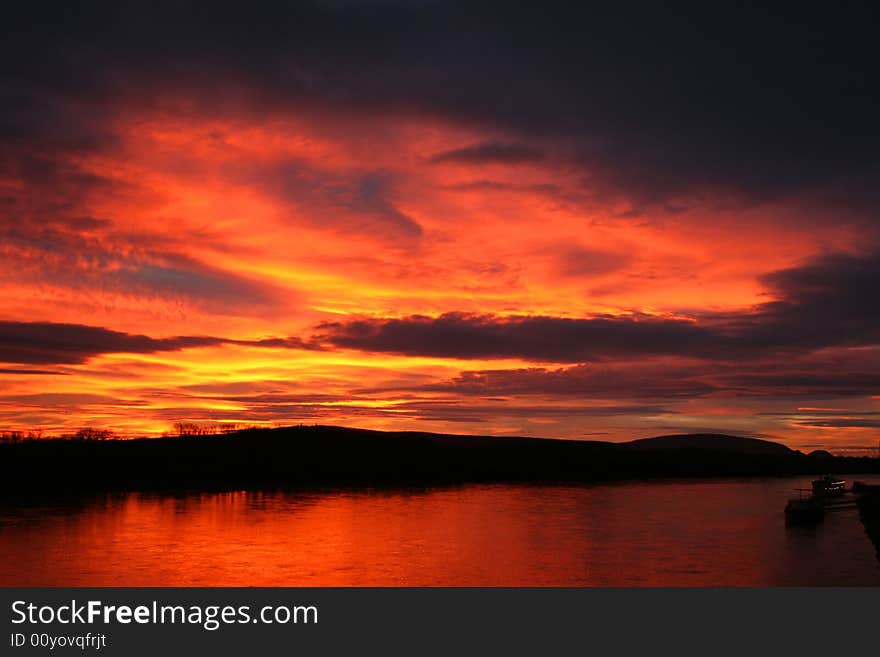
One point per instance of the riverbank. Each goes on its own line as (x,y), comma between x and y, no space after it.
(320,455)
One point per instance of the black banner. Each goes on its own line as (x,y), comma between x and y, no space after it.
(407,621)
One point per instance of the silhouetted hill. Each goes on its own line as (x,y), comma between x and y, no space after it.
(712,441)
(334,456)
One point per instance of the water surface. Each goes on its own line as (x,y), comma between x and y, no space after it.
(683,533)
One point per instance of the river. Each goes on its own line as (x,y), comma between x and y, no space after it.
(721,532)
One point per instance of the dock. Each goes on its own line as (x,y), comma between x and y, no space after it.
(848,501)
(868,502)
(827,494)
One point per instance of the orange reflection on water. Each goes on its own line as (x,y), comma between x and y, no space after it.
(634,534)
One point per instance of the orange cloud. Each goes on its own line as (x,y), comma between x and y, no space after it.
(233,230)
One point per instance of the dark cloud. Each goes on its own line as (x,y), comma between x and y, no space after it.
(819,412)
(645,380)
(669,381)
(454,411)
(184,278)
(490,152)
(800,379)
(840,424)
(48,186)
(354,201)
(842,284)
(45,342)
(41,343)
(654,101)
(458,335)
(31,371)
(830,418)
(827,302)
(371,197)
(80,252)
(280,407)
(278,343)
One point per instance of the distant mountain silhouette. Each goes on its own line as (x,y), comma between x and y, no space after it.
(711,441)
(338,456)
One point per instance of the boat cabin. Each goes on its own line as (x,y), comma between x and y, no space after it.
(828,486)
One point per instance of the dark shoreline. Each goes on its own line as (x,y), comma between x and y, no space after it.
(335,456)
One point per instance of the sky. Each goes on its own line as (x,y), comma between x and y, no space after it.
(554,220)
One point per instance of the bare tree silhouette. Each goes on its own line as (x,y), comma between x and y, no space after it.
(93,433)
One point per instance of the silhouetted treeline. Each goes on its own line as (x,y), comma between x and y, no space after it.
(180,429)
(19,436)
(318,455)
(86,433)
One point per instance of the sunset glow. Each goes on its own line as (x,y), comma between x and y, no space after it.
(207,245)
